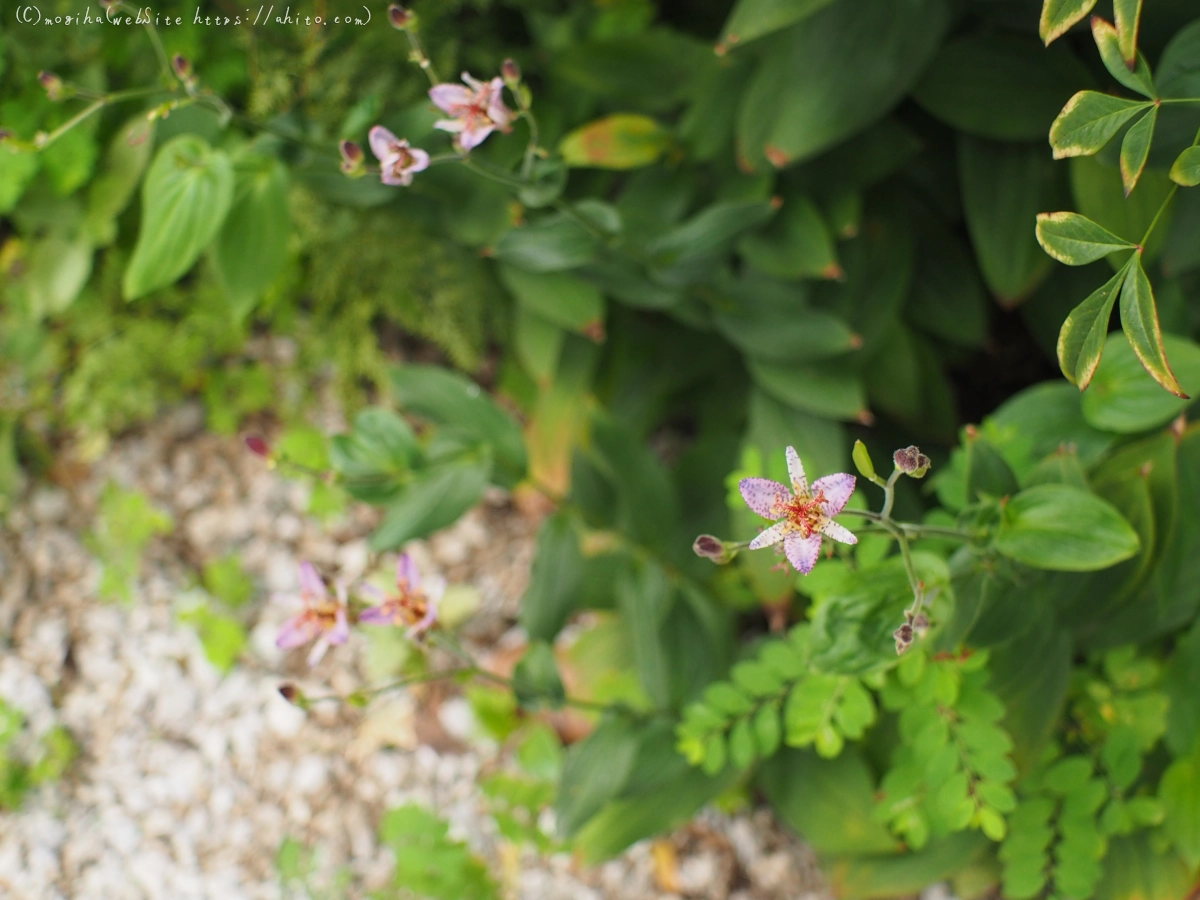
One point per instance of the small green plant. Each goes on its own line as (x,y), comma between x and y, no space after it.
(126,522)
(21,772)
(430,864)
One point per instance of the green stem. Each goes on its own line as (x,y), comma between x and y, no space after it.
(420,58)
(1157,216)
(889,495)
(41,143)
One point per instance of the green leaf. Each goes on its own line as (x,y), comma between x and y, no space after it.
(551,244)
(186,196)
(1076,240)
(1124,399)
(742,746)
(536,681)
(822,389)
(594,771)
(1135,148)
(1089,121)
(620,141)
(855,60)
(461,407)
(1186,170)
(767,729)
(1004,187)
(375,456)
(684,250)
(1127,15)
(110,192)
(998,86)
(557,297)
(797,244)
(1139,318)
(252,247)
(774,323)
(555,580)
(436,499)
(1100,195)
(1053,526)
(222,636)
(226,580)
(752,19)
(1135,869)
(644,597)
(1179,791)
(987,472)
(1059,15)
(538,345)
(1136,79)
(1083,335)
(830,802)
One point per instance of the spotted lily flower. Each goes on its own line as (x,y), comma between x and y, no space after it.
(320,617)
(803,514)
(475,111)
(398,160)
(413,604)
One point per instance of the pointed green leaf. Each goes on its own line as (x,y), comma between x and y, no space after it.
(1180,793)
(1139,318)
(1124,399)
(1136,79)
(1081,340)
(621,141)
(185,198)
(752,19)
(1128,14)
(1076,240)
(1186,170)
(1059,15)
(557,297)
(252,248)
(1135,148)
(1057,527)
(1089,121)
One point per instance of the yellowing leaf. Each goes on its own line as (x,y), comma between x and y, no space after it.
(1059,15)
(1089,121)
(1139,318)
(1186,170)
(621,141)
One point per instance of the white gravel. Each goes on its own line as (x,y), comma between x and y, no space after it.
(189,780)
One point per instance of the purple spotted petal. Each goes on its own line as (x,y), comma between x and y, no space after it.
(796,472)
(772,535)
(311,584)
(802,552)
(382,141)
(451,98)
(407,576)
(297,631)
(837,490)
(763,496)
(838,533)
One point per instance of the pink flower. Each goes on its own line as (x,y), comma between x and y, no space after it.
(476,112)
(398,160)
(803,514)
(410,605)
(320,618)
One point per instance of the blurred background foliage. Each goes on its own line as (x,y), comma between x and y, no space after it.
(821,232)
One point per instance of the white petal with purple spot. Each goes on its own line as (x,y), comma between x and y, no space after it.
(837,490)
(772,535)
(838,533)
(763,496)
(802,552)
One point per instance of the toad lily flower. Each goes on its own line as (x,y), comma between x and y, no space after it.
(803,513)
(476,111)
(411,605)
(321,618)
(398,160)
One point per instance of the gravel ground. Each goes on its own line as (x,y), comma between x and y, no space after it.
(188,781)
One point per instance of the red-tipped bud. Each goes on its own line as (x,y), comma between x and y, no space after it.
(400,17)
(52,83)
(352,157)
(293,695)
(713,548)
(257,445)
(511,73)
(182,66)
(912,462)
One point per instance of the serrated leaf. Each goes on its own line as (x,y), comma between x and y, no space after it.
(1059,15)
(1085,331)
(1135,148)
(1076,240)
(1139,318)
(1128,14)
(1089,121)
(620,141)
(1186,169)
(1136,79)
(185,198)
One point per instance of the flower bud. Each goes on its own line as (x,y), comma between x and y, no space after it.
(182,66)
(291,693)
(904,638)
(511,73)
(52,83)
(713,548)
(257,445)
(912,462)
(352,157)
(862,461)
(400,17)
